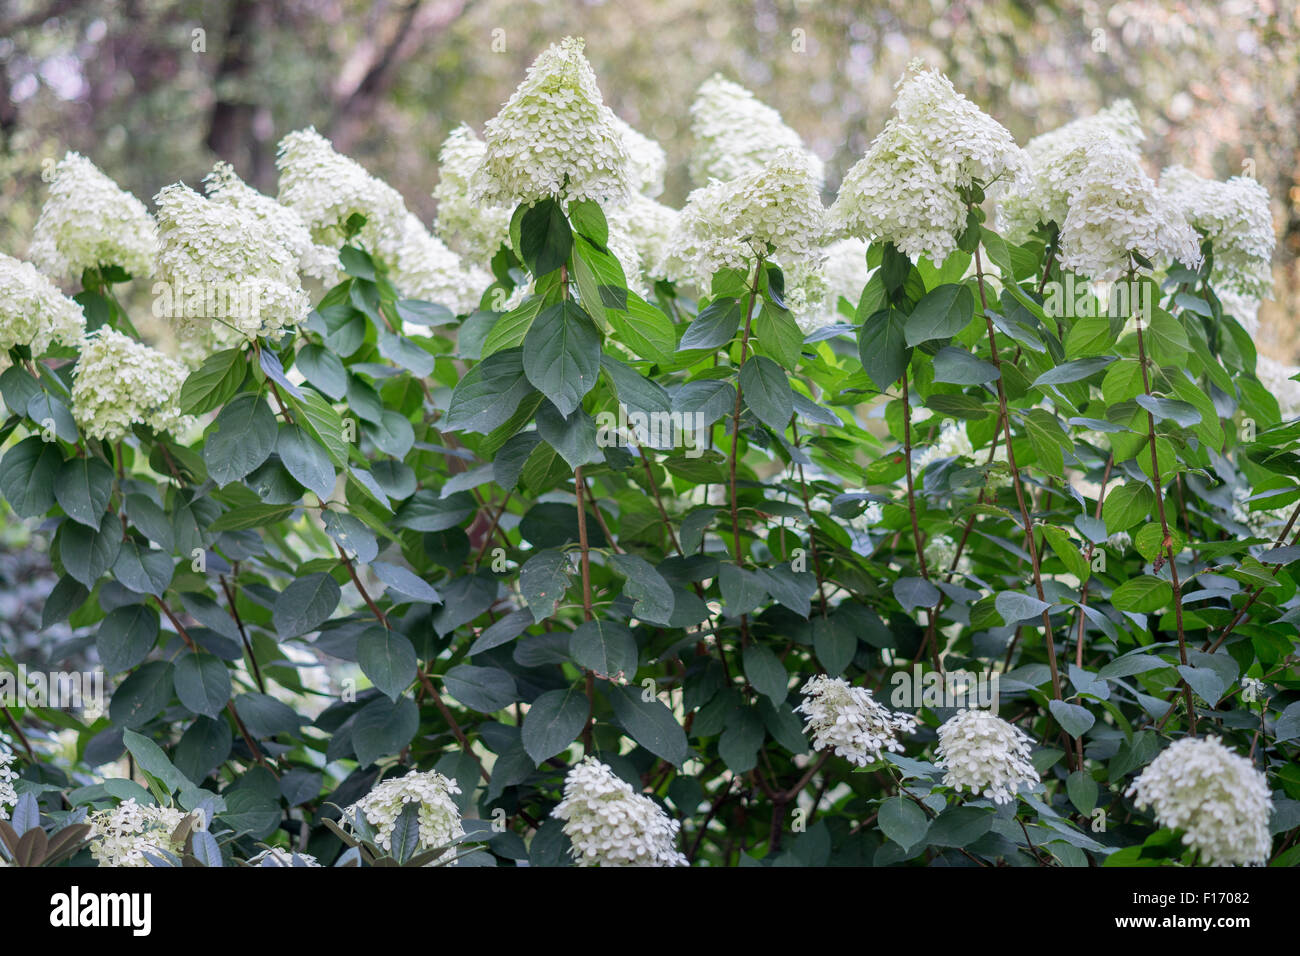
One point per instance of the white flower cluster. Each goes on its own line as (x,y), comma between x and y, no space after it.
(983,753)
(326,188)
(424,268)
(122,835)
(1115,210)
(119,382)
(907,188)
(1216,797)
(609,824)
(737,134)
(277,856)
(438,815)
(474,229)
(8,796)
(1236,217)
(940,551)
(952,442)
(554,137)
(649,226)
(774,212)
(646,160)
(33,312)
(220,263)
(88,221)
(286,227)
(850,721)
(965,143)
(1054,162)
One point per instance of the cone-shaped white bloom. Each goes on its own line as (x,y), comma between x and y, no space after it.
(775,212)
(1236,218)
(983,753)
(89,221)
(896,193)
(1055,161)
(609,824)
(421,267)
(1216,797)
(737,134)
(122,835)
(119,382)
(472,228)
(220,266)
(33,312)
(850,721)
(554,137)
(1115,210)
(438,814)
(326,188)
(224,186)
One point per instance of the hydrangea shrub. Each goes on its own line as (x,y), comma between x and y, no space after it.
(586,531)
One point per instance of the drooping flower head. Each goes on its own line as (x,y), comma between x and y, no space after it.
(609,824)
(774,212)
(1115,209)
(850,721)
(983,753)
(285,226)
(89,221)
(327,188)
(220,266)
(430,792)
(1216,797)
(33,312)
(472,228)
(554,137)
(646,160)
(119,382)
(122,835)
(737,134)
(1054,163)
(421,267)
(1236,218)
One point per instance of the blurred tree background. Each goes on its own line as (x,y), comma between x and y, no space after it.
(154,90)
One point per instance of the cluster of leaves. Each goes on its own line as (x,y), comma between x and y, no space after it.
(521,590)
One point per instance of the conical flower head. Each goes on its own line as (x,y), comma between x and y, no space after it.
(119,382)
(33,312)
(1235,216)
(89,221)
(472,228)
(983,753)
(850,721)
(554,137)
(736,134)
(610,824)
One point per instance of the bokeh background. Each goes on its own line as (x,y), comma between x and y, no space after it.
(154,90)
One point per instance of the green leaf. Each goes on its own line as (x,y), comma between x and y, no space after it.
(214,382)
(383,727)
(305,460)
(387,658)
(779,334)
(1015,606)
(765,672)
(959,367)
(1074,371)
(1125,505)
(651,594)
(649,723)
(488,394)
(834,643)
(27,475)
(1082,790)
(142,569)
(323,369)
(1074,719)
(485,689)
(902,821)
(766,391)
(714,327)
(606,647)
(545,238)
(1168,409)
(562,355)
(151,759)
(554,721)
(1142,595)
(305,605)
(941,314)
(87,554)
(644,329)
(543,580)
(325,424)
(126,636)
(239,440)
(82,488)
(882,347)
(143,694)
(573,436)
(202,684)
